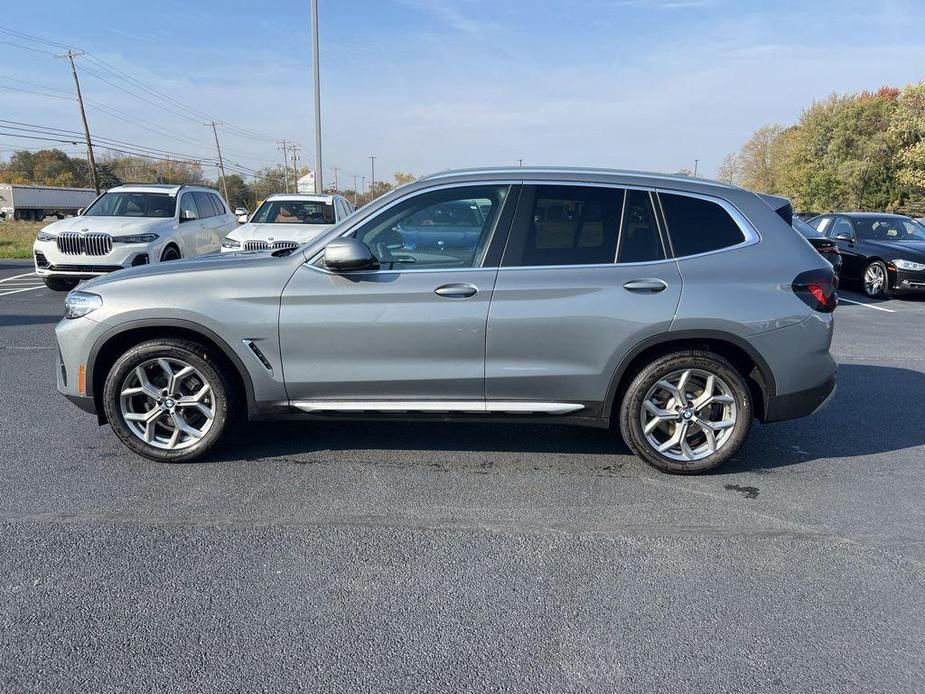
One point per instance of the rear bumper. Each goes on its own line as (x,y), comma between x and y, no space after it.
(801,403)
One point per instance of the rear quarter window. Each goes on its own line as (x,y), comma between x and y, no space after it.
(697,226)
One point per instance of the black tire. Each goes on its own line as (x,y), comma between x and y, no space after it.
(191,353)
(632,406)
(60,284)
(170,253)
(884,291)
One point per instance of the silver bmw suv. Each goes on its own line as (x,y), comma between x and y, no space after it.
(673,309)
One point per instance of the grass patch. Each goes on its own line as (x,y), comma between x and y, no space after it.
(16,238)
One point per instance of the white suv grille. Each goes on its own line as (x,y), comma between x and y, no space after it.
(73,243)
(266,246)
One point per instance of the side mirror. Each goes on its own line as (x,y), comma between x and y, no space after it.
(187,215)
(349,254)
(843,237)
(242,219)
(80,211)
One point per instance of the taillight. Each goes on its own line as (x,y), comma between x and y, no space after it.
(816,289)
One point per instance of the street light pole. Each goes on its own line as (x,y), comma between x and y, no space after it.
(316,69)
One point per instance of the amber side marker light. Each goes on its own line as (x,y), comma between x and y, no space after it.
(82,379)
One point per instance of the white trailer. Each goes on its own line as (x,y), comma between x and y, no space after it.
(36,202)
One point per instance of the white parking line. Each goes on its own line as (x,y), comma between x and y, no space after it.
(859,303)
(28,274)
(16,291)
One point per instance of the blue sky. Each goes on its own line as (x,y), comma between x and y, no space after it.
(432,84)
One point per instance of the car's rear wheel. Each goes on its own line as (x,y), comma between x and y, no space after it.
(167,400)
(60,284)
(686,412)
(876,281)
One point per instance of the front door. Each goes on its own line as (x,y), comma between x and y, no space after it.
(853,260)
(410,335)
(585,277)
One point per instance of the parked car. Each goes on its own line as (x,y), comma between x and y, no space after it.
(128,226)
(240,212)
(885,253)
(286,221)
(824,245)
(653,303)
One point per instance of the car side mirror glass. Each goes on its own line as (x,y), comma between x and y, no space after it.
(349,254)
(187,215)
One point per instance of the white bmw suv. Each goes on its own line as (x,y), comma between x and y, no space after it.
(131,225)
(287,221)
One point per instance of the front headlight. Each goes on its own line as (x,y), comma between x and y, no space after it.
(79,304)
(46,236)
(229,242)
(908,265)
(138,238)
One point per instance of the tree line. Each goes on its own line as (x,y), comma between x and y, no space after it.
(862,151)
(53,167)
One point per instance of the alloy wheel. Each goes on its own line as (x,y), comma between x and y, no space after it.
(167,403)
(874,279)
(688,415)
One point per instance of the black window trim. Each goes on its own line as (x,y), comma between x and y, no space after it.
(750,235)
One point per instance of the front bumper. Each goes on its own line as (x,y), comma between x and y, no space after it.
(909,281)
(50,262)
(75,338)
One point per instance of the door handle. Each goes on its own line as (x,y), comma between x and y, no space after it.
(457,291)
(645,286)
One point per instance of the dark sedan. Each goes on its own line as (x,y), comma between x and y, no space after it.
(823,244)
(885,253)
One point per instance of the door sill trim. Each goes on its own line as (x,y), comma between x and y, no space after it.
(461,406)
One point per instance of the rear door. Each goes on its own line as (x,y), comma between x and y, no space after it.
(585,277)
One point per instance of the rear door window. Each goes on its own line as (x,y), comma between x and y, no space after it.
(569,225)
(204,205)
(698,226)
(217,204)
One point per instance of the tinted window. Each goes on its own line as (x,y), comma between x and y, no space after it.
(639,238)
(204,205)
(805,229)
(217,204)
(841,226)
(133,205)
(188,206)
(442,229)
(889,229)
(698,226)
(572,225)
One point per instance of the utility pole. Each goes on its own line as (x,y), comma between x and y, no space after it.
(520,162)
(336,169)
(354,190)
(316,69)
(372,180)
(284,148)
(221,163)
(295,149)
(70,55)
(696,163)
(363,179)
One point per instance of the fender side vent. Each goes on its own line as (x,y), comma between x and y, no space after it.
(255,350)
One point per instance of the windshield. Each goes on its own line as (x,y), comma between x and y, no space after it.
(133,205)
(294,212)
(805,229)
(889,229)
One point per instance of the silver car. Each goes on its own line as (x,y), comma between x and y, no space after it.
(674,309)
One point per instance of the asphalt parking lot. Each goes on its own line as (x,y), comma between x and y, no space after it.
(423,557)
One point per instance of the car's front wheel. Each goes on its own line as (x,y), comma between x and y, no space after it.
(167,399)
(686,412)
(876,281)
(60,284)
